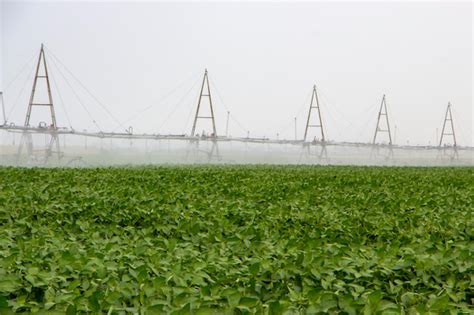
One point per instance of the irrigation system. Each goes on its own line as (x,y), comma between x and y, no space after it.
(314,121)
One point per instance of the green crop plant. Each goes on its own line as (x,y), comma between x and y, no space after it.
(237,240)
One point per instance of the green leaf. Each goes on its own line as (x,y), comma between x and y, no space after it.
(327,302)
(248,301)
(440,303)
(9,284)
(71,310)
(346,303)
(3,302)
(94,301)
(232,295)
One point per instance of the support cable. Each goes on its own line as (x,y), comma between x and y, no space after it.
(161,100)
(25,66)
(63,106)
(370,113)
(284,127)
(459,126)
(190,113)
(349,122)
(222,101)
(328,112)
(433,135)
(76,95)
(21,92)
(332,107)
(83,86)
(188,118)
(334,115)
(177,105)
(367,112)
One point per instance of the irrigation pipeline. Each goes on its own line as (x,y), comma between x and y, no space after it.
(183,137)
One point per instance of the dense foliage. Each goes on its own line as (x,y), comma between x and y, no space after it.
(236,240)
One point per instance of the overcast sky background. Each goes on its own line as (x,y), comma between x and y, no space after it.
(144,63)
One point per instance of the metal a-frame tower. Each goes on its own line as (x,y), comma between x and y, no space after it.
(32,103)
(205,94)
(27,137)
(319,124)
(383,112)
(444,132)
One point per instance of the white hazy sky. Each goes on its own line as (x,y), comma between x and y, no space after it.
(144,61)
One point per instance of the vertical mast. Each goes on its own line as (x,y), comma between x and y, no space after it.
(450,119)
(383,112)
(205,81)
(3,109)
(314,99)
(227,125)
(296,131)
(33,90)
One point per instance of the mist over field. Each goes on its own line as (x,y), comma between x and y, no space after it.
(77,151)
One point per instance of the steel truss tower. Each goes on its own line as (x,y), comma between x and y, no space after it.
(35,155)
(205,93)
(33,90)
(314,105)
(444,132)
(383,112)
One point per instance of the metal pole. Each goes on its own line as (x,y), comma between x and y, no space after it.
(51,107)
(319,114)
(395,135)
(55,138)
(199,104)
(388,124)
(378,120)
(309,113)
(227,125)
(452,124)
(296,136)
(210,104)
(444,125)
(3,109)
(30,104)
